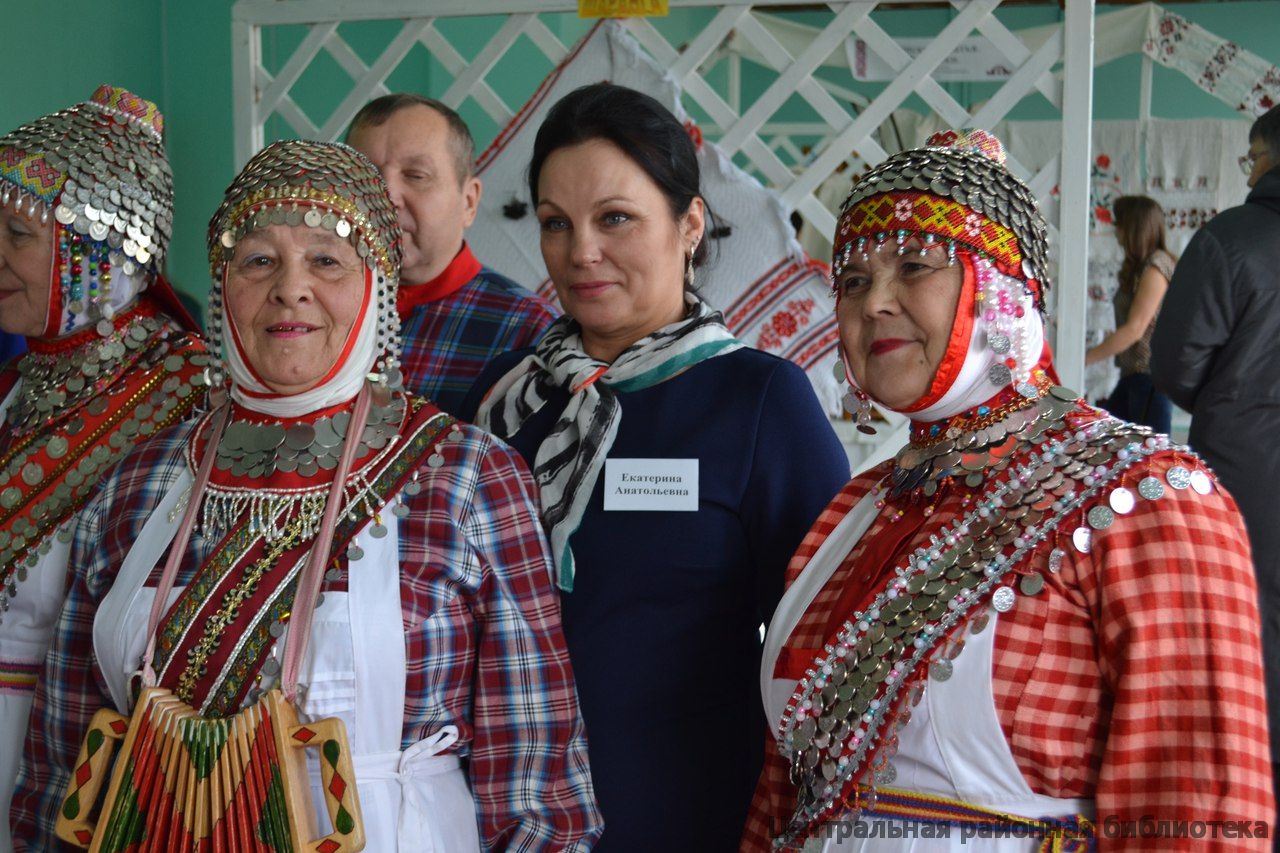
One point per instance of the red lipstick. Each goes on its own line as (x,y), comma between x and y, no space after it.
(884,345)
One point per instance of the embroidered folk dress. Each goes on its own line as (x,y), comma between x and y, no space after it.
(1081,643)
(69,409)
(437,642)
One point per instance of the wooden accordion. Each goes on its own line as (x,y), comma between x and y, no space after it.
(233,784)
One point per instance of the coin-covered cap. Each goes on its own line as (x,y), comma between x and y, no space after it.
(100,169)
(319,184)
(958,190)
(326,185)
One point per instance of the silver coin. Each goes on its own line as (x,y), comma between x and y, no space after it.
(299,436)
(1101,517)
(941,670)
(999,344)
(270,436)
(326,436)
(1082,538)
(1178,477)
(1056,556)
(998,374)
(1151,488)
(1031,584)
(1003,599)
(1122,501)
(32,473)
(1200,482)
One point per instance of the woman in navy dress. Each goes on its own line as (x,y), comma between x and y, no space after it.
(678,471)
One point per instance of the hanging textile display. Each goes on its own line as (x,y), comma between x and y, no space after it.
(1222,68)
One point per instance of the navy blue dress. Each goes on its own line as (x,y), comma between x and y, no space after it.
(663,622)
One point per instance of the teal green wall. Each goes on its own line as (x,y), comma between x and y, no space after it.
(178,53)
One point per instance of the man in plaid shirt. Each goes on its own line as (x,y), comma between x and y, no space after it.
(455,314)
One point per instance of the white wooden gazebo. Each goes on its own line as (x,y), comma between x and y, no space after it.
(749,132)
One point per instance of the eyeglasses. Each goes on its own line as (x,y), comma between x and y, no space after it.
(1246,162)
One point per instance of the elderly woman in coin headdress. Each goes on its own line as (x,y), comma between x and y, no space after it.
(111,355)
(435,636)
(1038,619)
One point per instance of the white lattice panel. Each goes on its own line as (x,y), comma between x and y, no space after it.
(764,142)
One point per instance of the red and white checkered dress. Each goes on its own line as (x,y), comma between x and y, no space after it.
(1134,679)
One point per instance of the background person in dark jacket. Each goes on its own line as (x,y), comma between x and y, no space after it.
(1216,352)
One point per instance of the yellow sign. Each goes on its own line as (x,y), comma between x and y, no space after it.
(622,8)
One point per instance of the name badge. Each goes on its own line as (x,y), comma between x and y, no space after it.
(653,485)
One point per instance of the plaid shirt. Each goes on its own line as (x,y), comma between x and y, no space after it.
(484,650)
(1134,679)
(448,342)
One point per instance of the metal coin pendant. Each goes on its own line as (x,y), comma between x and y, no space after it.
(1121,501)
(941,670)
(1151,488)
(1200,482)
(1003,599)
(1178,477)
(32,474)
(1082,538)
(1031,584)
(1101,517)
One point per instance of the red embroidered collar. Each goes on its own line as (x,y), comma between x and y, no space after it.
(461,270)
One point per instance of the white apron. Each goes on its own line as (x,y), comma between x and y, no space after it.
(414,800)
(25,635)
(953,747)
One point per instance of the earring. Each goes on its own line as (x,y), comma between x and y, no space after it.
(855,401)
(688,267)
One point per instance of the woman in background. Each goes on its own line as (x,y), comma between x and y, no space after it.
(664,593)
(86,206)
(1144,278)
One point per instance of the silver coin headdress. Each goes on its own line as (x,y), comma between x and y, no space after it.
(955,190)
(319,185)
(100,170)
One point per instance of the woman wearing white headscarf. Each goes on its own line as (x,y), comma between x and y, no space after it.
(1036,628)
(87,206)
(365,553)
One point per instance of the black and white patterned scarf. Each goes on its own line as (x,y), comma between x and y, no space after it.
(570,459)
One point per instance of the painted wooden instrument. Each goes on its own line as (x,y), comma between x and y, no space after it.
(184,782)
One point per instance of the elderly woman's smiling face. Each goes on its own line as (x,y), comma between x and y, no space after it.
(294,293)
(895,314)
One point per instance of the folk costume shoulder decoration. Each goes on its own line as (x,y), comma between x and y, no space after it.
(118,358)
(1010,494)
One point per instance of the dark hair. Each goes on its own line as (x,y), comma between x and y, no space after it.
(1140,232)
(642,128)
(379,110)
(1267,128)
